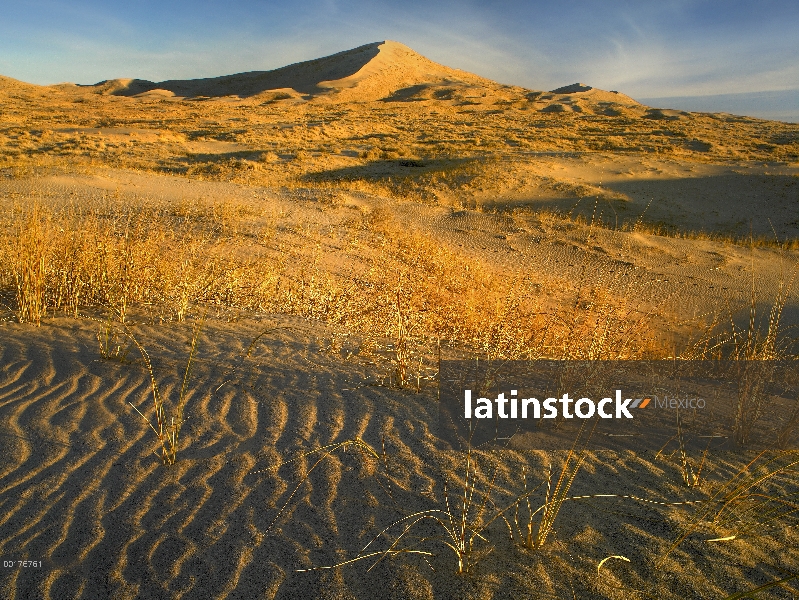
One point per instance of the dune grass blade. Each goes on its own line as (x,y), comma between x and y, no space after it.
(326,452)
(166,428)
(751,593)
(691,473)
(554,500)
(737,490)
(359,558)
(607,558)
(526,535)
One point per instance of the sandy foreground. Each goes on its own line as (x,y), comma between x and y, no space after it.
(84,493)
(371,170)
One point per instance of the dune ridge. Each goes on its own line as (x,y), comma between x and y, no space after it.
(369,72)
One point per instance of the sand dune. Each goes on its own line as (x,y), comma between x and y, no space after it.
(379,71)
(369,72)
(8,84)
(429,205)
(385,70)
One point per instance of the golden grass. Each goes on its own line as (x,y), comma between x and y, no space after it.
(744,505)
(64,259)
(462,522)
(405,291)
(29,267)
(267,138)
(166,427)
(110,341)
(424,290)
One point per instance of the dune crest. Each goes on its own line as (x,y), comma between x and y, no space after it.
(370,72)
(9,83)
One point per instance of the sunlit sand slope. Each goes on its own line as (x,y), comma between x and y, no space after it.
(368,72)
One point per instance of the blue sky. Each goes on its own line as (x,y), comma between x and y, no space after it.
(643,48)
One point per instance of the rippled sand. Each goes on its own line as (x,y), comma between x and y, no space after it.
(83,492)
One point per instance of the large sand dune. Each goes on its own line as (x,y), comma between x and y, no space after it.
(369,72)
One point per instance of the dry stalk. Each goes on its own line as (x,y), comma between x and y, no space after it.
(461,523)
(30,269)
(742,505)
(167,427)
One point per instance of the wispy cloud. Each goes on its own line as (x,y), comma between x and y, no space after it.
(642,47)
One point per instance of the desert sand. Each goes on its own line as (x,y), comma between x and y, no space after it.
(331,230)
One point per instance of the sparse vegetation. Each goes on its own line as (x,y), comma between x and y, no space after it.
(460,524)
(166,426)
(748,503)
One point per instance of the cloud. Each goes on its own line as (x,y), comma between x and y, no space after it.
(642,47)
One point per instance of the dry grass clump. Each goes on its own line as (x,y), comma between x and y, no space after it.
(534,533)
(756,353)
(760,355)
(460,525)
(65,260)
(750,502)
(167,427)
(414,291)
(403,292)
(29,267)
(111,342)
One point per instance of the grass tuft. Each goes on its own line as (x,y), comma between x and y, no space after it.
(166,427)
(460,525)
(30,267)
(745,505)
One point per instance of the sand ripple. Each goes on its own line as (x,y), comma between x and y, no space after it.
(81,490)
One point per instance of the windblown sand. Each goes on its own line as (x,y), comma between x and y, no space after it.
(83,492)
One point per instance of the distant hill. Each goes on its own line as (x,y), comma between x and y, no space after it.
(370,72)
(780,105)
(8,84)
(380,71)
